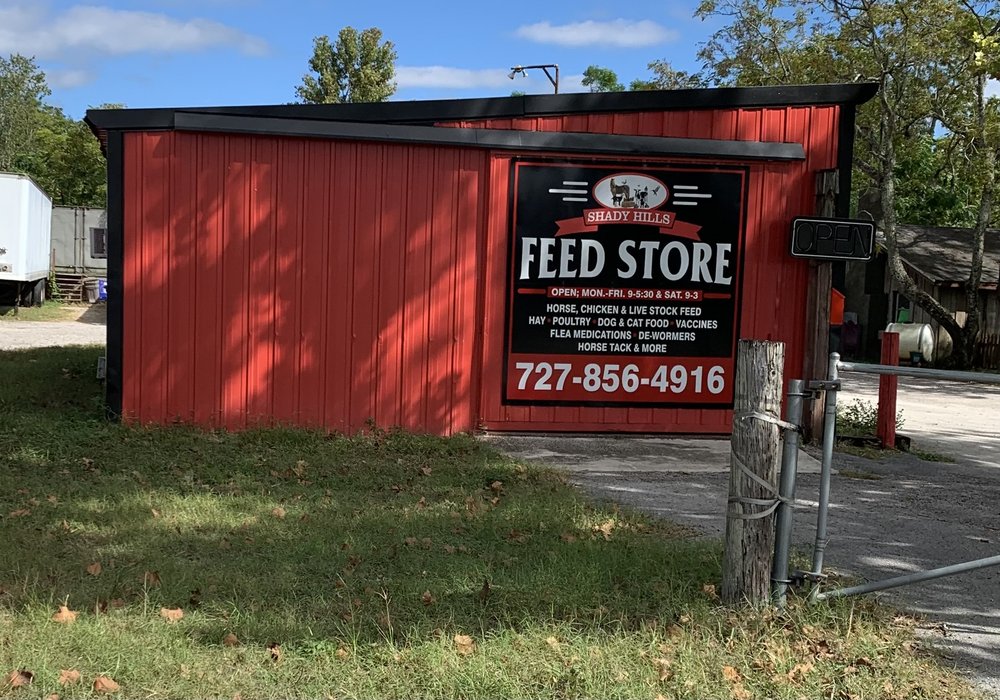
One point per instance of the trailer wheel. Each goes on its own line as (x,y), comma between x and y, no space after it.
(36,293)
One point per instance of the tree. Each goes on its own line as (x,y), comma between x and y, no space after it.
(666,77)
(930,58)
(66,161)
(22,93)
(359,68)
(600,79)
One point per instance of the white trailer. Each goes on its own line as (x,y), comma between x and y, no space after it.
(25,239)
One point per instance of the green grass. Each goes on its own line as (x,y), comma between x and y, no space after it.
(584,600)
(48,311)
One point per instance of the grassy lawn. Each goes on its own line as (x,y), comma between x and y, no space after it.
(48,311)
(290,564)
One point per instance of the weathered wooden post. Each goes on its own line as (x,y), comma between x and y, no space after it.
(753,469)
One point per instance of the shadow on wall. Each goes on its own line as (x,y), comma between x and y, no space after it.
(274,279)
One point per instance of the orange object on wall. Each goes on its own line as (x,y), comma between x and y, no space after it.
(836,308)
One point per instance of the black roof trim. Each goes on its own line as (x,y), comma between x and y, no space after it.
(503,139)
(432,111)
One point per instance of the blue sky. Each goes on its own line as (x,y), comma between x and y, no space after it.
(231,52)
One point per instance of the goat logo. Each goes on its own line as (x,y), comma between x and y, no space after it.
(630,191)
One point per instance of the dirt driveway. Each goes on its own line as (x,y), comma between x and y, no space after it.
(85,327)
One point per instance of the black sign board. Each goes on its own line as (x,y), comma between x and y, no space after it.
(624,284)
(833,239)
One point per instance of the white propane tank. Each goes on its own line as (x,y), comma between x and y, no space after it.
(914,337)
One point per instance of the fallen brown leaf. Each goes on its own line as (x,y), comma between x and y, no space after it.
(65,615)
(342,653)
(709,590)
(278,512)
(568,537)
(155,512)
(496,487)
(103,684)
(117,603)
(20,512)
(20,678)
(69,677)
(52,696)
(605,528)
(52,498)
(422,503)
(449,549)
(426,471)
(800,671)
(410,541)
(464,644)
(230,640)
(151,579)
(94,569)
(275,650)
(553,643)
(171,615)
(428,598)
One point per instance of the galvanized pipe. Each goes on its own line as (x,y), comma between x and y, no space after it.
(826,468)
(907,579)
(946,374)
(786,493)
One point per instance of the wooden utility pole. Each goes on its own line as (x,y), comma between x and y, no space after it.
(818,306)
(756,450)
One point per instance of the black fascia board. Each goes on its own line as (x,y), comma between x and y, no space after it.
(428,112)
(499,139)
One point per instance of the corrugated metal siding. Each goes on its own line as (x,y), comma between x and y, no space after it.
(774,284)
(293,281)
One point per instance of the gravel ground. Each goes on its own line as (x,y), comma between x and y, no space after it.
(20,335)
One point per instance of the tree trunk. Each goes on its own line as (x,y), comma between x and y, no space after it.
(756,445)
(988,170)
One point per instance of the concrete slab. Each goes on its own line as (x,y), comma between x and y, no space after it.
(626,453)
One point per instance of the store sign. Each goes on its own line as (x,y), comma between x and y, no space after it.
(833,239)
(624,285)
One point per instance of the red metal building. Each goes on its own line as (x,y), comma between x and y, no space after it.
(559,263)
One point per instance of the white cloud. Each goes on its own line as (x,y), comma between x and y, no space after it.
(69,78)
(451,78)
(616,33)
(89,29)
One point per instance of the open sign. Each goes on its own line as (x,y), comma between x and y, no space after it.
(833,239)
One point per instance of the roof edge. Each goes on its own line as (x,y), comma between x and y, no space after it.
(426,112)
(499,139)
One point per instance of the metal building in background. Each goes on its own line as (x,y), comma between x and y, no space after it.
(79,248)
(575,262)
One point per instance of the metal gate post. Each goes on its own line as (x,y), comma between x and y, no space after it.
(786,492)
(829,428)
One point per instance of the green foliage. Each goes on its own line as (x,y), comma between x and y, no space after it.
(66,161)
(860,419)
(22,94)
(600,79)
(59,153)
(665,77)
(359,68)
(345,567)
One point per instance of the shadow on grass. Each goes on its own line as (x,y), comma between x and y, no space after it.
(289,535)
